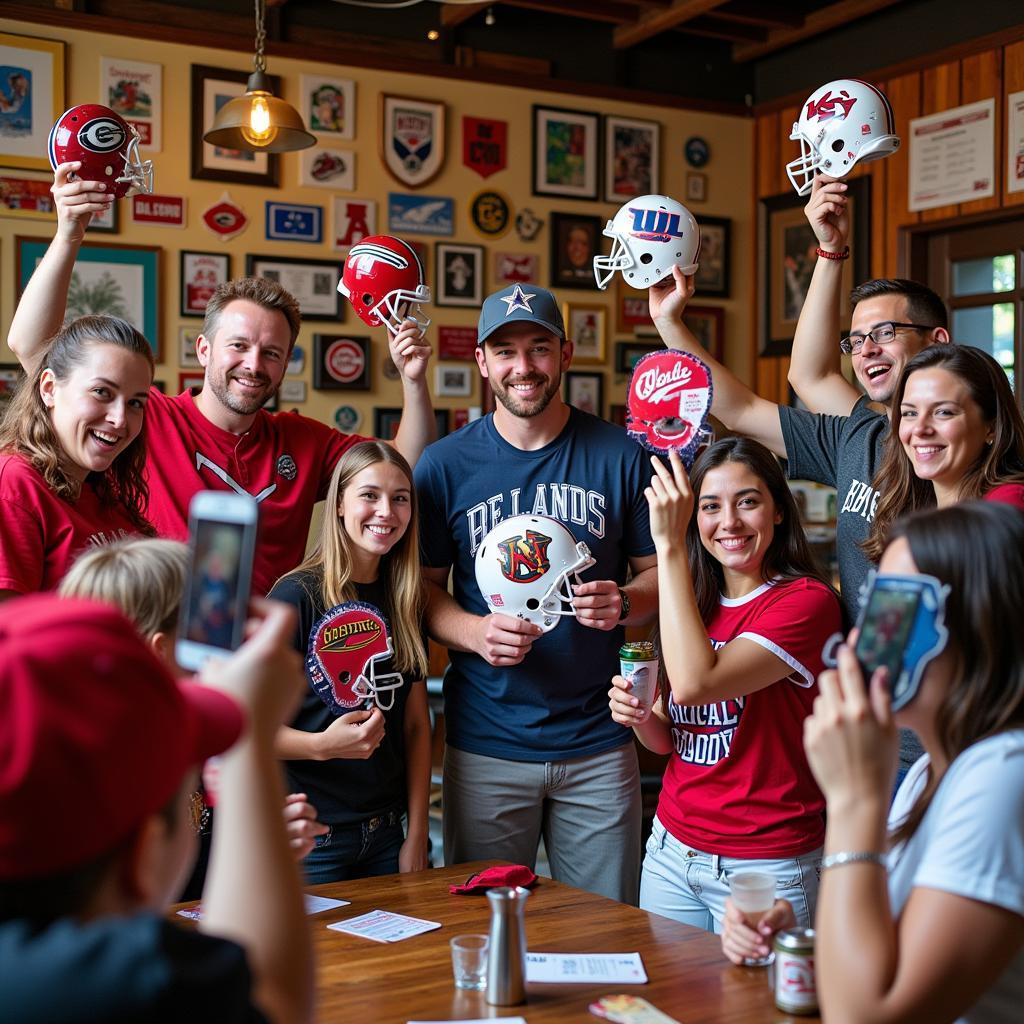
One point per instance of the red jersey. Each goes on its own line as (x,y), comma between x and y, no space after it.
(1009,494)
(41,534)
(284,461)
(738,782)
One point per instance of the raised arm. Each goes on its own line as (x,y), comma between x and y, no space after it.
(733,402)
(418,428)
(815,371)
(40,311)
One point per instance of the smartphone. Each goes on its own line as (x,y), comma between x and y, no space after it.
(222,541)
(885,629)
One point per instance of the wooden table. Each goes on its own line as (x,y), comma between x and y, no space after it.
(377,983)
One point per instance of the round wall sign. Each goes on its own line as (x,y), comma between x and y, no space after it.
(697,151)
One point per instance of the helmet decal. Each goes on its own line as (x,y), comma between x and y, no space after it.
(524,558)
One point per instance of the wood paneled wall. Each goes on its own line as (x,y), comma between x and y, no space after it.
(996,71)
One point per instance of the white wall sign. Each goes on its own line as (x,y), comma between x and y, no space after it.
(1015,142)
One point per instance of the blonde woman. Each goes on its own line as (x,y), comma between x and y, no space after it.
(360,745)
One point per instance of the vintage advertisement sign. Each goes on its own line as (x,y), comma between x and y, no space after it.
(168,211)
(133,89)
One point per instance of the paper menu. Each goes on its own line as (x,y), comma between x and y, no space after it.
(383,926)
(585,968)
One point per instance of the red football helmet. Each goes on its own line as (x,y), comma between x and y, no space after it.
(383,279)
(342,656)
(106,145)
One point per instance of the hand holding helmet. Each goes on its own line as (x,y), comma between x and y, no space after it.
(828,213)
(76,200)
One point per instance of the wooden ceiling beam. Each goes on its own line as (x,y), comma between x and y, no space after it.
(615,11)
(716,28)
(453,15)
(768,15)
(656,21)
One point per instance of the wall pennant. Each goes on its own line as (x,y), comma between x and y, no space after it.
(412,139)
(225,218)
(484,145)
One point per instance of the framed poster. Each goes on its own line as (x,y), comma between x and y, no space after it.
(341,363)
(515,267)
(133,89)
(632,310)
(575,241)
(313,282)
(459,271)
(189,380)
(26,195)
(586,326)
(328,167)
(713,261)
(453,381)
(211,89)
(31,98)
(585,391)
(412,138)
(565,153)
(121,280)
(385,422)
(631,155)
(329,105)
(201,273)
(708,326)
(187,358)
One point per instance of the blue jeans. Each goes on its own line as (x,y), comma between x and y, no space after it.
(362,850)
(690,885)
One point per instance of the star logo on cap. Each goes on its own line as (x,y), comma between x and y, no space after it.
(518,300)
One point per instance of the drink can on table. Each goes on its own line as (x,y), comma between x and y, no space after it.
(795,990)
(639,664)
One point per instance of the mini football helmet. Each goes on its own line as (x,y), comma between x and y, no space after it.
(106,145)
(383,279)
(841,124)
(523,568)
(342,658)
(649,235)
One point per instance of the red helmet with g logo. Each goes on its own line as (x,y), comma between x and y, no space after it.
(383,279)
(105,144)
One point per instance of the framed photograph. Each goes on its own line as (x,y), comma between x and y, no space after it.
(453,381)
(201,273)
(293,391)
(708,326)
(565,153)
(26,195)
(329,105)
(31,98)
(632,310)
(585,391)
(313,282)
(575,241)
(715,256)
(412,138)
(106,223)
(187,358)
(385,422)
(459,271)
(587,327)
(696,187)
(628,353)
(122,280)
(328,167)
(341,363)
(188,381)
(786,257)
(631,158)
(134,90)
(211,89)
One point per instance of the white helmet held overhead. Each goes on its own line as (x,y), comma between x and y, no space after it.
(523,568)
(650,234)
(841,124)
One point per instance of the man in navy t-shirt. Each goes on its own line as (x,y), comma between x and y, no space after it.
(531,746)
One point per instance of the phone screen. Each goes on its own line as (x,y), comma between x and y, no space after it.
(885,630)
(212,615)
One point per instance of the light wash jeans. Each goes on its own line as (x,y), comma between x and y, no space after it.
(691,885)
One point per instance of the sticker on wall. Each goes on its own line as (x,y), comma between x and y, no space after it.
(354,219)
(328,168)
(294,222)
(166,211)
(292,391)
(225,218)
(515,267)
(133,89)
(296,361)
(420,215)
(528,225)
(484,145)
(341,362)
(413,138)
(347,418)
(490,212)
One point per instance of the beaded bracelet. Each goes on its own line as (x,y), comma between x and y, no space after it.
(825,255)
(837,860)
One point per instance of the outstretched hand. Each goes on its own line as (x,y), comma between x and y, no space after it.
(409,351)
(670,499)
(76,201)
(828,213)
(667,299)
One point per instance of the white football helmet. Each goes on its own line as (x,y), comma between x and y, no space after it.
(650,234)
(523,568)
(841,124)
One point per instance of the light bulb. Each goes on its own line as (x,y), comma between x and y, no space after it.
(259,131)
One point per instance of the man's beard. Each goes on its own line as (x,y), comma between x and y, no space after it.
(523,409)
(244,405)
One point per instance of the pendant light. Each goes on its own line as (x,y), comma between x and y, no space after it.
(259,121)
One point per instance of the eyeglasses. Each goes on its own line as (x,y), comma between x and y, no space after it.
(881,335)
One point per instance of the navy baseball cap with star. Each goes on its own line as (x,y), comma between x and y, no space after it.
(524,303)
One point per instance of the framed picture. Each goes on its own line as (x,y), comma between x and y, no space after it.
(628,353)
(354,219)
(187,358)
(587,327)
(31,98)
(459,271)
(189,380)
(108,222)
(696,187)
(134,90)
(565,153)
(708,326)
(412,138)
(122,280)
(329,105)
(328,167)
(201,273)
(453,381)
(585,391)
(341,363)
(786,258)
(632,310)
(292,391)
(385,422)
(211,89)
(515,267)
(575,241)
(715,256)
(313,282)
(11,375)
(631,158)
(26,195)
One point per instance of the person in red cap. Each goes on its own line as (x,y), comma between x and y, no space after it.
(99,752)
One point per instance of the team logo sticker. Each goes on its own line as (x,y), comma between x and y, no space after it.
(484,145)
(225,218)
(413,142)
(824,107)
(490,213)
(524,557)
(669,400)
(286,466)
(102,135)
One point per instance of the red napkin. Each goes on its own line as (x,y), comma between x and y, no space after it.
(492,878)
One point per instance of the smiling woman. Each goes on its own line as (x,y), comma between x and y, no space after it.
(72,452)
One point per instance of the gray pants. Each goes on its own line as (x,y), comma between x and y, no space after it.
(587,809)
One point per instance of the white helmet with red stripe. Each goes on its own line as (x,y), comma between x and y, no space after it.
(841,124)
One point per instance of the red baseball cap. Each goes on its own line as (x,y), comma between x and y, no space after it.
(95,735)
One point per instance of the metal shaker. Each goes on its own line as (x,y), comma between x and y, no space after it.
(506,951)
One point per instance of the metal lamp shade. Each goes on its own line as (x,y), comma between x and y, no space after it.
(231,125)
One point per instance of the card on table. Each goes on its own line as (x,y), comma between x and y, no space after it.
(383,926)
(625,1009)
(314,905)
(586,968)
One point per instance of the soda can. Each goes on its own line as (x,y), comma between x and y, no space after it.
(795,991)
(638,662)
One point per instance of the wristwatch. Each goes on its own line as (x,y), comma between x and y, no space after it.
(624,598)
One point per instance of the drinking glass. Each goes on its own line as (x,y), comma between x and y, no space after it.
(469,961)
(753,893)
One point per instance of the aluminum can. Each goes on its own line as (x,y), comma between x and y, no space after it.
(795,991)
(638,662)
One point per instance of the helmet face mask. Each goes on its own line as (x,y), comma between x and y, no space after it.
(523,569)
(650,235)
(383,279)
